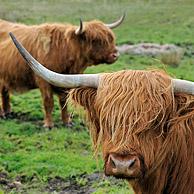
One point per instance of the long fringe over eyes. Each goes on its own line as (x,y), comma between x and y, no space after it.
(127,103)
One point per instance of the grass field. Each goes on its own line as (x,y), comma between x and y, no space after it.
(46,161)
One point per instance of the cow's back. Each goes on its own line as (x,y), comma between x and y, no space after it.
(13,71)
(46,42)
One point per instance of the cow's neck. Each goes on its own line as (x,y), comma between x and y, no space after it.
(76,61)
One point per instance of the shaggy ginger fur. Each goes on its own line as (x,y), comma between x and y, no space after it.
(136,111)
(58,48)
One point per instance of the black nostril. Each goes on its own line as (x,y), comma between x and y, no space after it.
(115,55)
(111,162)
(131,163)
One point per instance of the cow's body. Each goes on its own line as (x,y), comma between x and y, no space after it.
(59,48)
(137,121)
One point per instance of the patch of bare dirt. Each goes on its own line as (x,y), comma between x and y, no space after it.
(7,184)
(80,184)
(18,115)
(74,185)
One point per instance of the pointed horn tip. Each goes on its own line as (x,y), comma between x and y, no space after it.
(79,30)
(15,41)
(117,23)
(123,16)
(11,35)
(81,23)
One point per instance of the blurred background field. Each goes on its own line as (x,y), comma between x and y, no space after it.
(35,160)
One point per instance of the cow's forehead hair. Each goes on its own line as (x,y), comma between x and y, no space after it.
(130,102)
(96,30)
(126,104)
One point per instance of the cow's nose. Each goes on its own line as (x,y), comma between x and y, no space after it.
(122,166)
(114,55)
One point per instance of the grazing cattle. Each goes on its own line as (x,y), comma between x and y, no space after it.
(143,121)
(62,48)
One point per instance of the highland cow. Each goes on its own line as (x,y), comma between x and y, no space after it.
(143,121)
(63,48)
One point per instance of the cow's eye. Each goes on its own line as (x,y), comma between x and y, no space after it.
(97,45)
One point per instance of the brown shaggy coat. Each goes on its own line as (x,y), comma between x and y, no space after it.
(58,48)
(136,111)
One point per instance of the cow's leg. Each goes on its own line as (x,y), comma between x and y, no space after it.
(1,113)
(63,105)
(48,103)
(6,107)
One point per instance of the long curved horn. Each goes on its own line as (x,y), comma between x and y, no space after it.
(80,29)
(56,79)
(117,23)
(88,80)
(183,86)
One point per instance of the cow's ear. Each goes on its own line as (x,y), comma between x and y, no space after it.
(84,97)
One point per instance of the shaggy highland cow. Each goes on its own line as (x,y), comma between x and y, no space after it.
(62,48)
(142,120)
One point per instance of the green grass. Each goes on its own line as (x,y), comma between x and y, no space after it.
(28,150)
(163,21)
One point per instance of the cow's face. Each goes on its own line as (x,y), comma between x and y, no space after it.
(128,116)
(98,43)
